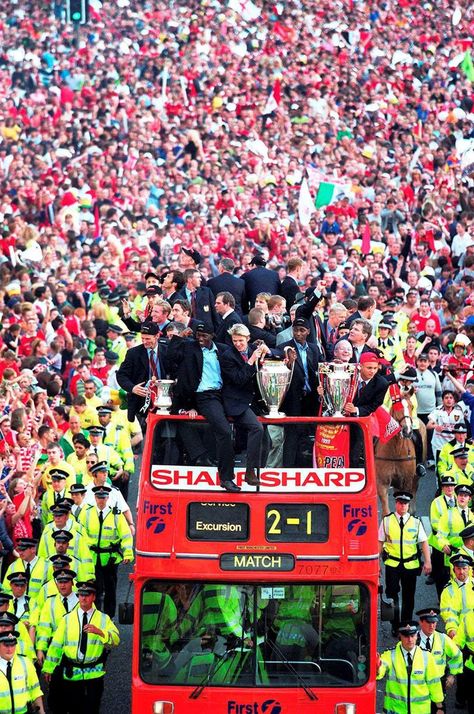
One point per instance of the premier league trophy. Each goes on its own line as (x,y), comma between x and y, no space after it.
(274,378)
(339,381)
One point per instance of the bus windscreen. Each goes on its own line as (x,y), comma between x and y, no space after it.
(257,635)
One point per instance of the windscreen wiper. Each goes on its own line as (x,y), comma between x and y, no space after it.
(308,691)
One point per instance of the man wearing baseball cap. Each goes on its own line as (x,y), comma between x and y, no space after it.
(400,537)
(411,674)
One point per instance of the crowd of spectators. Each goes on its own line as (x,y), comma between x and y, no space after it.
(155,152)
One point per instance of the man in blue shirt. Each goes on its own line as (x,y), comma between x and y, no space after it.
(199,387)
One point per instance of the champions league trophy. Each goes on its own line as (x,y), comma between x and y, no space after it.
(338,381)
(273,379)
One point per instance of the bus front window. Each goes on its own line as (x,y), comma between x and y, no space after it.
(218,634)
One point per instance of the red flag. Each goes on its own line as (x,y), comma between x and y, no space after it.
(384,425)
(365,247)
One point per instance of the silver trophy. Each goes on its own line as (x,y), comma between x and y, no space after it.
(273,379)
(338,381)
(162,395)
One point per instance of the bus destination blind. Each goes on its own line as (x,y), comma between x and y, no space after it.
(297,523)
(218,521)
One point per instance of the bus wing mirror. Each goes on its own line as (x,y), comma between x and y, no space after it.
(126,613)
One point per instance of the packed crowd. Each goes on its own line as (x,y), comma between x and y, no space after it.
(226,180)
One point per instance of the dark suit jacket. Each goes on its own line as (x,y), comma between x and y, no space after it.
(256,333)
(292,403)
(204,306)
(371,396)
(239,390)
(375,350)
(260,280)
(289,289)
(134,370)
(221,334)
(225,282)
(186,354)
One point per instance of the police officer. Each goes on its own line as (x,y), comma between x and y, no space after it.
(439,507)
(79,649)
(10,622)
(21,605)
(447,655)
(58,562)
(412,678)
(37,570)
(78,493)
(400,536)
(467,538)
(19,685)
(462,470)
(63,521)
(465,640)
(52,612)
(83,565)
(54,494)
(118,438)
(111,543)
(457,597)
(454,521)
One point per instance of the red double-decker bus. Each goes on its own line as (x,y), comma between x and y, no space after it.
(263,601)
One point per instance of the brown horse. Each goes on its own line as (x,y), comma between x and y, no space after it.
(395,461)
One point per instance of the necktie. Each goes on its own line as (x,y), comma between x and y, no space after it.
(451,503)
(402,525)
(244,356)
(57,497)
(15,605)
(99,537)
(360,387)
(193,303)
(83,645)
(9,678)
(28,572)
(409,662)
(383,344)
(464,517)
(65,603)
(428,644)
(153,369)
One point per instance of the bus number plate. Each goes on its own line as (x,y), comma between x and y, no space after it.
(218,521)
(297,523)
(257,561)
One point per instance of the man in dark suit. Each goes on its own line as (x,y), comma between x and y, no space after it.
(289,287)
(199,386)
(260,279)
(140,365)
(309,310)
(365,309)
(125,311)
(171,283)
(257,327)
(200,298)
(227,282)
(359,332)
(239,368)
(370,394)
(301,398)
(227,316)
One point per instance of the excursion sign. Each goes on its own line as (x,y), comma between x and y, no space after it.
(219,521)
(294,480)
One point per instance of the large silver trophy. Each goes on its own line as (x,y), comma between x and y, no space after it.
(338,380)
(273,379)
(162,395)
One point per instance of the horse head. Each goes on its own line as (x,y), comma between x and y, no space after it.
(401,412)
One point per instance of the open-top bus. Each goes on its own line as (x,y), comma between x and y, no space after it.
(263,601)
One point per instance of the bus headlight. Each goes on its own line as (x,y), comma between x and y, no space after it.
(345,708)
(163,708)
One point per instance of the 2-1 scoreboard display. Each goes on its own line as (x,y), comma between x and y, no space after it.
(284,523)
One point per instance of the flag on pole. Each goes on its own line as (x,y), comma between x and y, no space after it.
(274,99)
(328,192)
(467,66)
(306,206)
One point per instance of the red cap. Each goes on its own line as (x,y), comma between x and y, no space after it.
(368,357)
